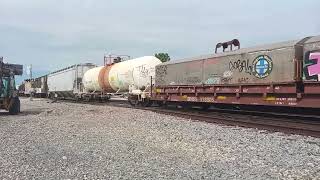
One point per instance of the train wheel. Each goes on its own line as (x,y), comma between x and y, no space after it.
(146,103)
(160,103)
(87,98)
(205,107)
(133,100)
(77,98)
(185,106)
(106,99)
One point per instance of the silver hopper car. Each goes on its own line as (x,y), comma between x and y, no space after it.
(66,82)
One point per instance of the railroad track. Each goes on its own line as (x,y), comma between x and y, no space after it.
(306,125)
(285,125)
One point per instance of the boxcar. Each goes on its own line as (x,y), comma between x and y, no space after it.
(40,86)
(68,81)
(280,74)
(36,86)
(21,89)
(27,87)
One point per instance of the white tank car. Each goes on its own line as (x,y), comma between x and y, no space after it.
(119,76)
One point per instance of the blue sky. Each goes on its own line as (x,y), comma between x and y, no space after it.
(53,34)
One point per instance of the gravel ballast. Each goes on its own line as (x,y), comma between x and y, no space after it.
(79,141)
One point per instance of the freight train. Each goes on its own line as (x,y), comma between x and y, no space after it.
(284,74)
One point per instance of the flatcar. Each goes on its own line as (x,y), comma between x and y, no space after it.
(283,74)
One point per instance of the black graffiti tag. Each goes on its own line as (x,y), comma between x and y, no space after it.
(241,65)
(144,72)
(226,80)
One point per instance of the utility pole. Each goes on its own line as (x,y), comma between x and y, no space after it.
(29,72)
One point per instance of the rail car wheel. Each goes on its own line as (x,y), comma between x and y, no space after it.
(87,98)
(133,100)
(185,106)
(106,99)
(160,103)
(15,107)
(205,107)
(77,98)
(146,103)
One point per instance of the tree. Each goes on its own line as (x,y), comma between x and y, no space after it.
(164,57)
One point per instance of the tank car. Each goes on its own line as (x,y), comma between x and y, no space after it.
(282,74)
(119,77)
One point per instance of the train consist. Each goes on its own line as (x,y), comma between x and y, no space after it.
(283,74)
(89,82)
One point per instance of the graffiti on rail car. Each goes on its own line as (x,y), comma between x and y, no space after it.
(213,79)
(243,80)
(227,77)
(192,80)
(143,71)
(226,80)
(260,67)
(241,66)
(161,73)
(218,79)
(312,66)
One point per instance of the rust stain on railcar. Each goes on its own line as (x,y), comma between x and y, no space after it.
(103,78)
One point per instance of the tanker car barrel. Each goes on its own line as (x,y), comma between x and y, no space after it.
(118,77)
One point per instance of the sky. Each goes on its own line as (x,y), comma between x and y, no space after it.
(51,34)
